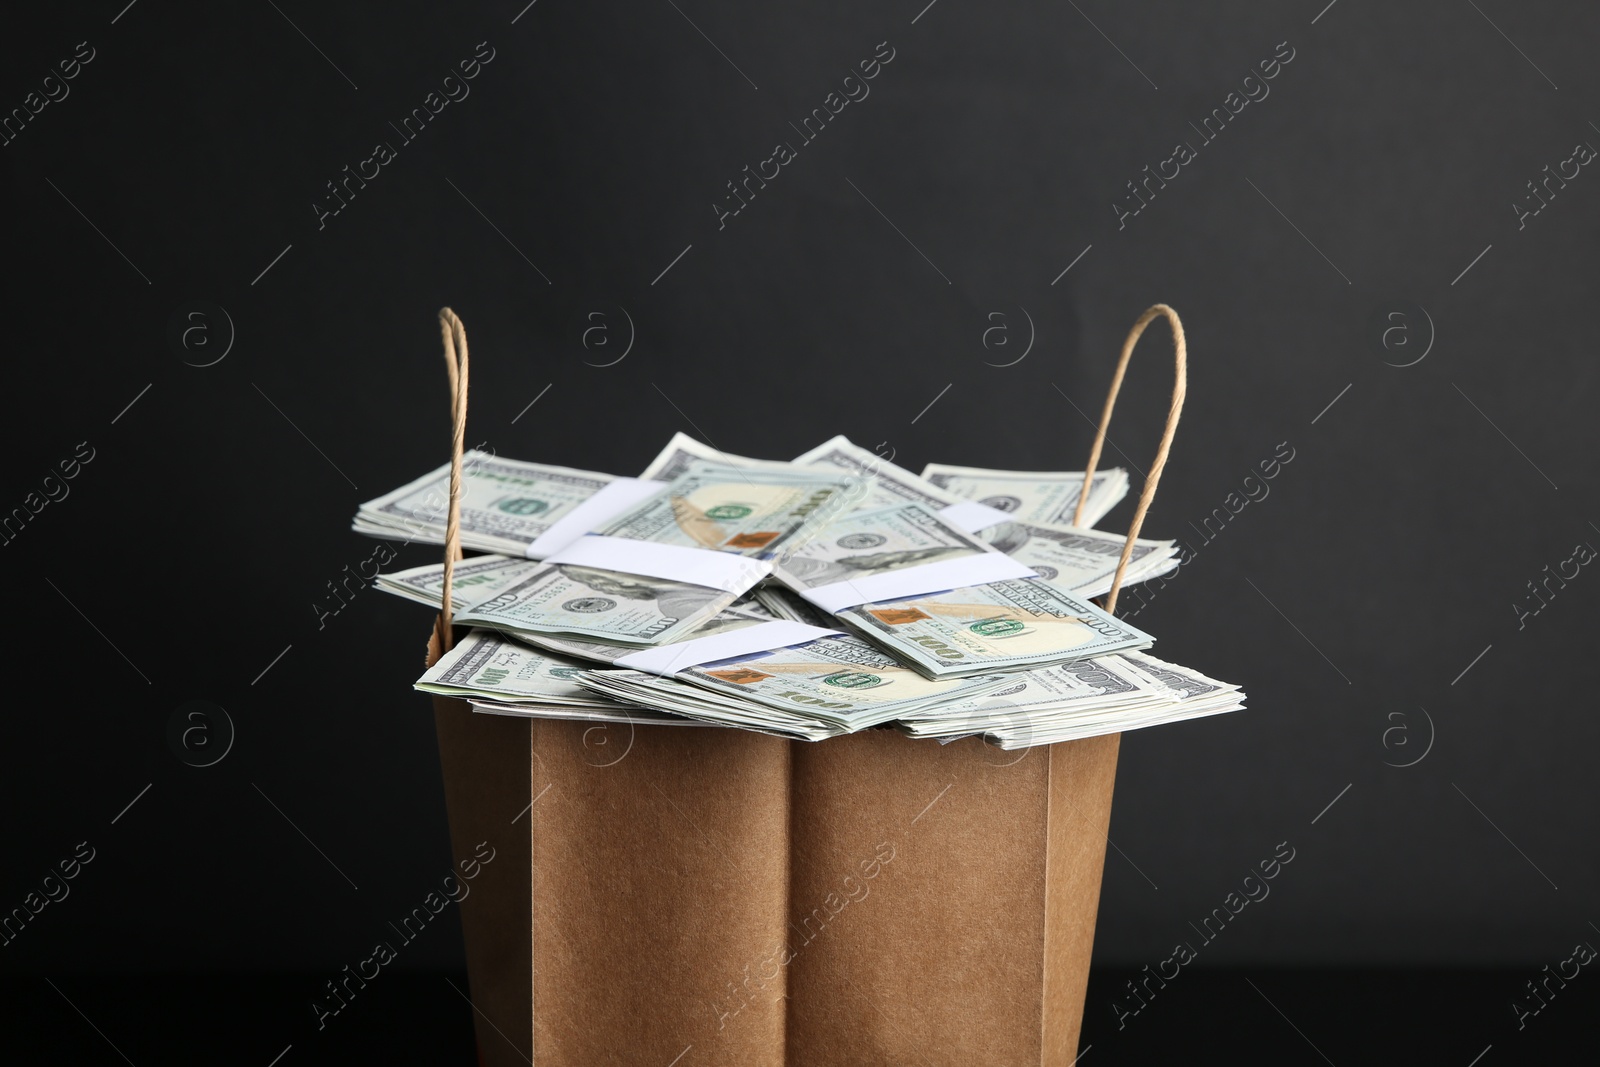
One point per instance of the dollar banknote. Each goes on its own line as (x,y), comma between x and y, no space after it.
(1184,694)
(1105,683)
(602,715)
(867,543)
(754,514)
(485,576)
(1019,661)
(667,696)
(1033,496)
(505,503)
(684,453)
(475,579)
(502,677)
(1109,694)
(831,687)
(887,484)
(736,617)
(602,605)
(758,512)
(837,684)
(1000,626)
(880,482)
(976,629)
(1079,560)
(487,664)
(784,603)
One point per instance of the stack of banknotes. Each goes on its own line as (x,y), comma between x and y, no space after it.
(807,599)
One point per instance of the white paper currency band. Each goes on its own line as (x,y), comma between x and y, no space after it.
(609,501)
(976,569)
(969,516)
(764,637)
(696,566)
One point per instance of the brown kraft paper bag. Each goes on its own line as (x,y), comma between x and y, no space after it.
(691,896)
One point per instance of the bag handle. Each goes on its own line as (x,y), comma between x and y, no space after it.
(1180,387)
(455,360)
(454,335)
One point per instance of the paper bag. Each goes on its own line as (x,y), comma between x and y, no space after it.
(736,899)
(693,896)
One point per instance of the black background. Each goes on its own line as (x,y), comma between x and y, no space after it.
(1367,604)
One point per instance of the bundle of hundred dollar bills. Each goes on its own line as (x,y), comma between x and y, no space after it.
(806,599)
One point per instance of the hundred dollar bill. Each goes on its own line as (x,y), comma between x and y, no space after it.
(753,513)
(978,629)
(1181,682)
(684,452)
(1033,496)
(1002,626)
(757,512)
(887,484)
(784,603)
(1098,685)
(1082,561)
(1079,560)
(603,605)
(839,684)
(480,577)
(505,503)
(650,693)
(1184,694)
(486,576)
(475,579)
(726,620)
(486,664)
(608,714)
(881,483)
(569,601)
(501,677)
(867,543)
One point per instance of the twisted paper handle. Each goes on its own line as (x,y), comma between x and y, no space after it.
(1180,387)
(455,359)
(454,335)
